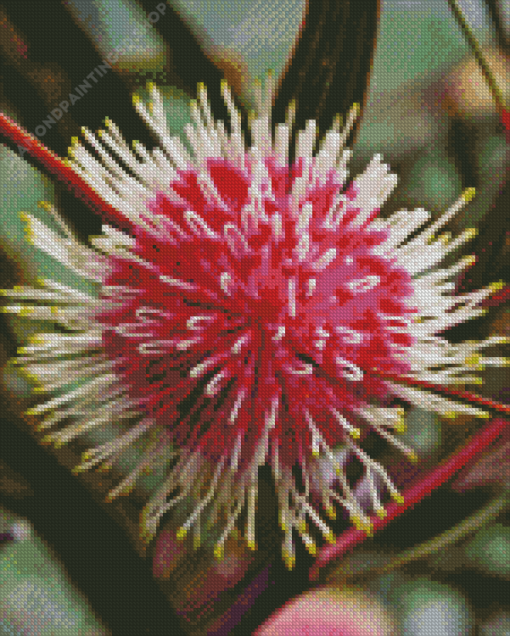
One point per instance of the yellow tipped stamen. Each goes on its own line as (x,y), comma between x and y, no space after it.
(494,287)
(468,194)
(483,415)
(451,415)
(473,361)
(181,533)
(355,433)
(46,205)
(401,427)
(330,537)
(330,511)
(381,513)
(413,457)
(397,497)
(218,551)
(251,544)
(289,559)
(311,547)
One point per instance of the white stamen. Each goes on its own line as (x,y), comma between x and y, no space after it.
(292,297)
(225,282)
(349,370)
(325,260)
(279,333)
(363,284)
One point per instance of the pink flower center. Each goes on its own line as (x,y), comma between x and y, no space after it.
(247,296)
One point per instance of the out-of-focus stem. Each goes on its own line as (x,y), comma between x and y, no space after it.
(467,526)
(352,537)
(496,93)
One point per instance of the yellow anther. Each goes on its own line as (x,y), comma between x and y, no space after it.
(381,513)
(450,415)
(397,497)
(218,551)
(252,544)
(494,287)
(181,533)
(401,427)
(289,559)
(311,547)
(413,457)
(45,205)
(355,433)
(468,194)
(473,360)
(330,537)
(331,512)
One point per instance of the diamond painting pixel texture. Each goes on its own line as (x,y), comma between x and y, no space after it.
(247,304)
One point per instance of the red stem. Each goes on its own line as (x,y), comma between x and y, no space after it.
(505,120)
(61,169)
(454,393)
(352,537)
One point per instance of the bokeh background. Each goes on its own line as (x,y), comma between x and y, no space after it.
(70,564)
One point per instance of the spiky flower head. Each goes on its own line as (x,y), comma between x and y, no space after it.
(259,310)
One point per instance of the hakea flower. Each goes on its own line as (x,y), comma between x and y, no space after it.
(255,311)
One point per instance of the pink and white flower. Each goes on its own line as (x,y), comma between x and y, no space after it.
(258,310)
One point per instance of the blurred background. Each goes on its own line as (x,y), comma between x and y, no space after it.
(71,564)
